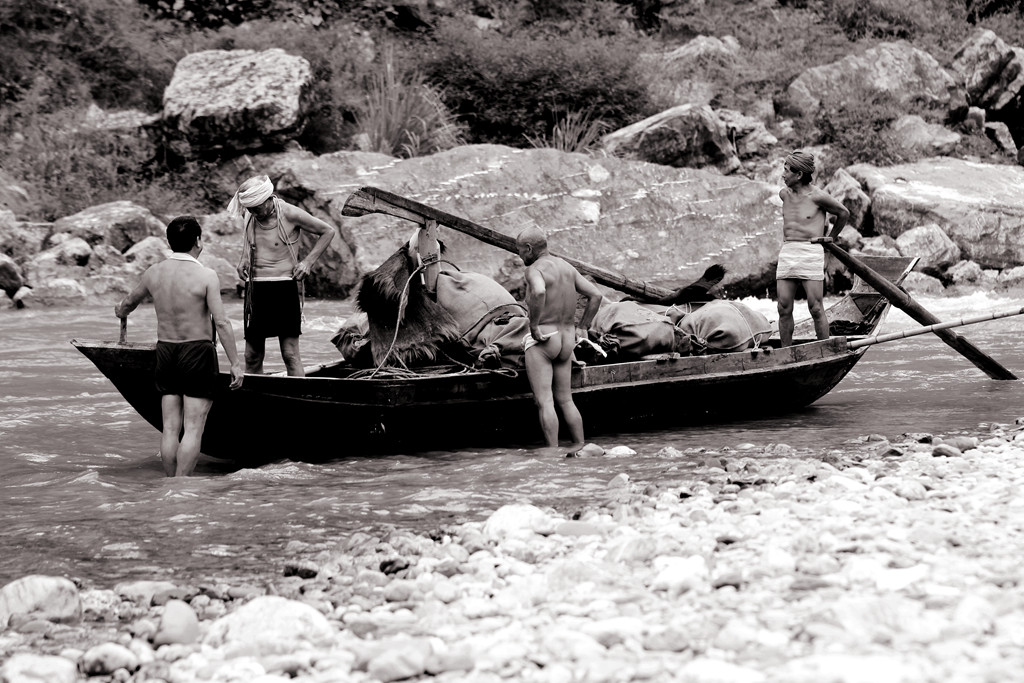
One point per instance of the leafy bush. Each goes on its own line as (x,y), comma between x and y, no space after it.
(857,131)
(878,18)
(98,47)
(505,88)
(402,115)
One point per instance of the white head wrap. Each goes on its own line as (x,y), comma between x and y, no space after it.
(252,192)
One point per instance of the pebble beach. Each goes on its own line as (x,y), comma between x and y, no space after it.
(896,558)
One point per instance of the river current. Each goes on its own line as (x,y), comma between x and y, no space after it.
(82,491)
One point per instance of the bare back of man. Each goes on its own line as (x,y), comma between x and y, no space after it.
(186,296)
(552,289)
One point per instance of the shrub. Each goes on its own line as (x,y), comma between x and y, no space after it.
(856,131)
(402,115)
(575,131)
(102,47)
(888,19)
(505,88)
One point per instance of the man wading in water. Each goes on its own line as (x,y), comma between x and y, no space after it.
(272,271)
(802,258)
(185,295)
(552,286)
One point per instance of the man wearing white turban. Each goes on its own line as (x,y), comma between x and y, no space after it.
(272,270)
(805,210)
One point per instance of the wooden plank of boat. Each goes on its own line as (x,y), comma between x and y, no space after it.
(368,200)
(903,301)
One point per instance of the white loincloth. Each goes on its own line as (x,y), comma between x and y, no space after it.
(801,261)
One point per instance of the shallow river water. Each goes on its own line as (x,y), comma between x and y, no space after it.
(82,491)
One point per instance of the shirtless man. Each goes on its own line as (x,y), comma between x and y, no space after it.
(552,287)
(271,268)
(802,258)
(185,295)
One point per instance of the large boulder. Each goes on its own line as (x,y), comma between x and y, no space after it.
(913,134)
(120,224)
(646,221)
(236,99)
(21,240)
(979,206)
(929,243)
(670,74)
(992,71)
(913,78)
(846,189)
(684,136)
(750,135)
(14,197)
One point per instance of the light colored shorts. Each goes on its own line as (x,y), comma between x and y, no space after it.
(801,261)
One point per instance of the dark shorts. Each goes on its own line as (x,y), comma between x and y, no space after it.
(275,310)
(186,368)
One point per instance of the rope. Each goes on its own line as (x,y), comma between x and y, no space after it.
(406,372)
(402,300)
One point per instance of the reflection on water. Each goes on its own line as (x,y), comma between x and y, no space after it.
(83,492)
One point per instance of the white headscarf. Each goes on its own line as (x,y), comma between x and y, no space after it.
(252,192)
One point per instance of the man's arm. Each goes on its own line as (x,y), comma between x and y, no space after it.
(305,221)
(829,204)
(593,295)
(224,329)
(133,299)
(536,294)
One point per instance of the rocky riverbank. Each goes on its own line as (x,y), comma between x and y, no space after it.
(889,560)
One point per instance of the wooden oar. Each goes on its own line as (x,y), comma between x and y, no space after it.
(123,337)
(367,200)
(903,334)
(903,301)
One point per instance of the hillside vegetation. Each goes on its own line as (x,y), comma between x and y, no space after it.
(409,80)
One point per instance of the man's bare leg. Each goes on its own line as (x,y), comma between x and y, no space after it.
(815,291)
(539,372)
(562,386)
(290,355)
(255,350)
(786,290)
(196,410)
(170,409)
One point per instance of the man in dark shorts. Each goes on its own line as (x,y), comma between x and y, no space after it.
(186,295)
(272,270)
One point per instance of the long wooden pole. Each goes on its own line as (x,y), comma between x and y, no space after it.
(903,301)
(367,200)
(903,334)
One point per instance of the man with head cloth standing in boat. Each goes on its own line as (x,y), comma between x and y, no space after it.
(805,210)
(552,288)
(186,295)
(273,273)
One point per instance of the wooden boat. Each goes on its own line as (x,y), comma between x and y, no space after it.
(337,411)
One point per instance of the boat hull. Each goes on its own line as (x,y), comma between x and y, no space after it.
(322,418)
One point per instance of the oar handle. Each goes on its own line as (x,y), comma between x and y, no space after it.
(123,337)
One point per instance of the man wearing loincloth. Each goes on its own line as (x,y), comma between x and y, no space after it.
(185,295)
(805,210)
(552,287)
(272,270)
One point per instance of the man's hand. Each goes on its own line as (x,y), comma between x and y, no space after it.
(822,240)
(237,373)
(243,271)
(119,310)
(300,270)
